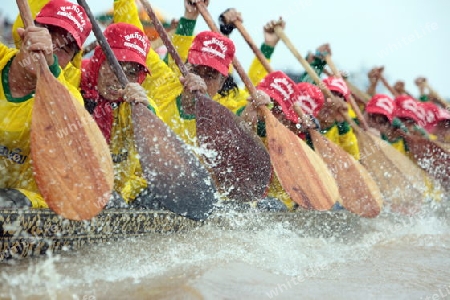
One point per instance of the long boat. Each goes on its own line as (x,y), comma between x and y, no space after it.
(25,233)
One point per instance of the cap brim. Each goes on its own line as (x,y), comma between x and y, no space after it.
(203,59)
(62,24)
(377,110)
(130,56)
(406,114)
(290,114)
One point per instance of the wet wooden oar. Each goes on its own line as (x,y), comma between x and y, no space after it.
(301,172)
(241,166)
(174,174)
(375,153)
(74,172)
(401,170)
(359,192)
(429,156)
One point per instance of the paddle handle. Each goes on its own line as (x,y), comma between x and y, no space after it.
(253,46)
(90,47)
(388,86)
(105,46)
(25,13)
(444,103)
(362,95)
(236,64)
(280,32)
(164,37)
(350,98)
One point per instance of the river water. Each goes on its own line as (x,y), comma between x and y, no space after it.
(389,257)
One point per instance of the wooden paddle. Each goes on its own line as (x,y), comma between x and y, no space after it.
(410,171)
(390,179)
(74,173)
(358,195)
(301,172)
(431,157)
(241,167)
(173,173)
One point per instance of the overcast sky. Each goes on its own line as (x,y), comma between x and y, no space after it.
(408,37)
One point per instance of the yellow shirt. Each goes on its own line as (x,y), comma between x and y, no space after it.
(15,126)
(128,176)
(344,137)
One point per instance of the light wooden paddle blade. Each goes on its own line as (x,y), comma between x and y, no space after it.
(240,163)
(432,158)
(399,180)
(71,160)
(174,174)
(302,173)
(359,192)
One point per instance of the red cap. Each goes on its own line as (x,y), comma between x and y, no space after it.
(213,50)
(443,114)
(381,104)
(310,97)
(283,90)
(432,114)
(67,15)
(337,85)
(128,43)
(407,107)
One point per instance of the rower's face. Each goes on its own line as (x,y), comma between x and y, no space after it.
(379,122)
(64,45)
(109,86)
(213,78)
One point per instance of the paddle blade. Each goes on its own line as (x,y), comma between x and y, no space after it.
(302,173)
(71,160)
(399,180)
(358,191)
(174,174)
(240,164)
(432,158)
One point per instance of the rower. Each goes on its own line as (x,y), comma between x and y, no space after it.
(18,72)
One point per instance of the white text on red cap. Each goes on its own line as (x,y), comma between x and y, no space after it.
(278,84)
(65,11)
(208,47)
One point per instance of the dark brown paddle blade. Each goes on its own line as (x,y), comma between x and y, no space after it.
(241,164)
(73,166)
(432,158)
(302,173)
(359,192)
(174,174)
(399,180)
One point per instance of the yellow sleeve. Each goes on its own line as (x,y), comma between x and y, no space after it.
(126,11)
(182,44)
(71,88)
(162,84)
(72,75)
(5,55)
(332,134)
(345,138)
(351,112)
(349,143)
(256,72)
(234,101)
(400,146)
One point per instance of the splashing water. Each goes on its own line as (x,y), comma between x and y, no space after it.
(253,257)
